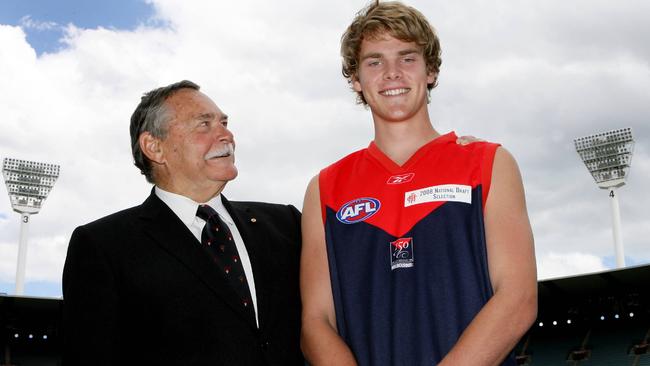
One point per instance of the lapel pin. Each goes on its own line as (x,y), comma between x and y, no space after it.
(253,219)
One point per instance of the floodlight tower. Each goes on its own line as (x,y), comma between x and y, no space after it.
(608,157)
(28,184)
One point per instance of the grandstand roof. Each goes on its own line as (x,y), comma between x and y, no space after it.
(617,280)
(609,292)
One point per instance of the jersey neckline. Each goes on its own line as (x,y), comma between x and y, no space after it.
(393,167)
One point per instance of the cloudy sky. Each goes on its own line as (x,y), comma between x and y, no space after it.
(530,75)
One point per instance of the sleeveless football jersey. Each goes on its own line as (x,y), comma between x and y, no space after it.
(406,249)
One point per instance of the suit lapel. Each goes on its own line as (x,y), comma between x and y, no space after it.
(255,240)
(168,231)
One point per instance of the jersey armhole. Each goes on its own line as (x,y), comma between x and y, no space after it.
(321,195)
(486,170)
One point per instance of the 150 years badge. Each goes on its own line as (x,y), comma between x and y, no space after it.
(401,253)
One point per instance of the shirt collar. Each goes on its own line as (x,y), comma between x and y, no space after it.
(185,208)
(217,204)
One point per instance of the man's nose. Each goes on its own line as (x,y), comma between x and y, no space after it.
(222,133)
(392,71)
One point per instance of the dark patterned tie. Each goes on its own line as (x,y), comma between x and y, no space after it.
(217,238)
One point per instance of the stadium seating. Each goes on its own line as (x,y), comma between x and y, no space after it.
(599,319)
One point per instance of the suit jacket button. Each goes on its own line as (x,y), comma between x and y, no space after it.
(264,345)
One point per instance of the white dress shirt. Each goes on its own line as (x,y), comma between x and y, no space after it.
(185,208)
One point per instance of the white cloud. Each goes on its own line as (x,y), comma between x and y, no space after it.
(532,76)
(44,261)
(9,255)
(29,23)
(555,264)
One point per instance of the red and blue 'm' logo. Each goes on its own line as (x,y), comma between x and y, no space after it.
(357,210)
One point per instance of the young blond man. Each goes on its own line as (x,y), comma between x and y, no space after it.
(416,250)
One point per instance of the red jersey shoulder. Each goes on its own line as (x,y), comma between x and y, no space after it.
(340,174)
(479,155)
(469,150)
(344,164)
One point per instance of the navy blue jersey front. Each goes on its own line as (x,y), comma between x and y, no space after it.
(406,249)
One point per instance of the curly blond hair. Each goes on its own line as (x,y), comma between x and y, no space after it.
(398,20)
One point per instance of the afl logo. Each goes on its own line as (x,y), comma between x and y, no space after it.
(358,210)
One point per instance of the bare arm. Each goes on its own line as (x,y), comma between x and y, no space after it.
(497,328)
(319,339)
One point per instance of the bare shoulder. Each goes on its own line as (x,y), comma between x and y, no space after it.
(311,206)
(503,159)
(505,172)
(313,183)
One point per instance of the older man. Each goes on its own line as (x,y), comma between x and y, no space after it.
(187,277)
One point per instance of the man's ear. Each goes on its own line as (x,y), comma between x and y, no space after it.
(356,85)
(431,77)
(151,147)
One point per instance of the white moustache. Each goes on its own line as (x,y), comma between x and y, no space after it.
(224,151)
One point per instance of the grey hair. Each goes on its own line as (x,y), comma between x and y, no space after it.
(152,115)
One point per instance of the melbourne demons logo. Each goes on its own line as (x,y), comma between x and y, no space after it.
(358,209)
(401,178)
(401,253)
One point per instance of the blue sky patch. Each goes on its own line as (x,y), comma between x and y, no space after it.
(33,288)
(44,20)
(610,261)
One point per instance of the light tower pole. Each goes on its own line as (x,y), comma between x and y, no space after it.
(608,157)
(28,184)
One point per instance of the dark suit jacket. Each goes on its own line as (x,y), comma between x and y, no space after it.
(139,289)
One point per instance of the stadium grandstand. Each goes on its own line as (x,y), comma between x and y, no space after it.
(598,319)
(30,331)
